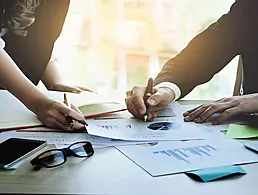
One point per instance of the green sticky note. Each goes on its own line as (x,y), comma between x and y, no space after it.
(214,173)
(241,131)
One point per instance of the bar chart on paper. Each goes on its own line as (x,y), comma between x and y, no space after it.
(163,158)
(183,154)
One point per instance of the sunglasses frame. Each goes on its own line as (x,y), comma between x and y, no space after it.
(37,162)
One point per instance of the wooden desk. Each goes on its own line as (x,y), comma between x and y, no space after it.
(110,172)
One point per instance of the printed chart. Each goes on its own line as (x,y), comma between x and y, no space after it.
(167,128)
(183,154)
(180,156)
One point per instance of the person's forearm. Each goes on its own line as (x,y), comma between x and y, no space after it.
(13,80)
(51,75)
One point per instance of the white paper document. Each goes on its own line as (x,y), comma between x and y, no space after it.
(14,115)
(175,157)
(206,126)
(64,138)
(167,128)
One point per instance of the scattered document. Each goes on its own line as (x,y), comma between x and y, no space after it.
(180,109)
(206,126)
(64,138)
(15,115)
(90,104)
(20,124)
(241,131)
(176,157)
(167,128)
(252,145)
(172,110)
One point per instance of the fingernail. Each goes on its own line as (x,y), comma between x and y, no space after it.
(141,111)
(187,118)
(151,102)
(150,120)
(215,122)
(83,122)
(82,129)
(197,120)
(77,90)
(185,114)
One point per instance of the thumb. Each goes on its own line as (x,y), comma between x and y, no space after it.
(155,99)
(162,94)
(69,112)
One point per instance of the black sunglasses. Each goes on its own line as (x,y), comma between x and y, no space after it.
(56,157)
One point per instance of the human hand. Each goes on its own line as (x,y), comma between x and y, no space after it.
(158,101)
(53,114)
(68,88)
(228,107)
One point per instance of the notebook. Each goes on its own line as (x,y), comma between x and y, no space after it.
(14,115)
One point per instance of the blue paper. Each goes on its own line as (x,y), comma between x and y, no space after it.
(214,173)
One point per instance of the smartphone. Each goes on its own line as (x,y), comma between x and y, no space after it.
(14,150)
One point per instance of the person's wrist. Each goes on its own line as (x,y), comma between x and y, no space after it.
(52,86)
(255,102)
(37,103)
(55,86)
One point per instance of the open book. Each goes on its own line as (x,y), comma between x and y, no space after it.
(14,115)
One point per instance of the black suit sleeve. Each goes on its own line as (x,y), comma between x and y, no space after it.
(32,52)
(212,49)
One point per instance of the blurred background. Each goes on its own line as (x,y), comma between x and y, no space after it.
(112,45)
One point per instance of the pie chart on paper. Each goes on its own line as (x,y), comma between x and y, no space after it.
(163,126)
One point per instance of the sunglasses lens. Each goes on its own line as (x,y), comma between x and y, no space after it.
(82,149)
(52,158)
